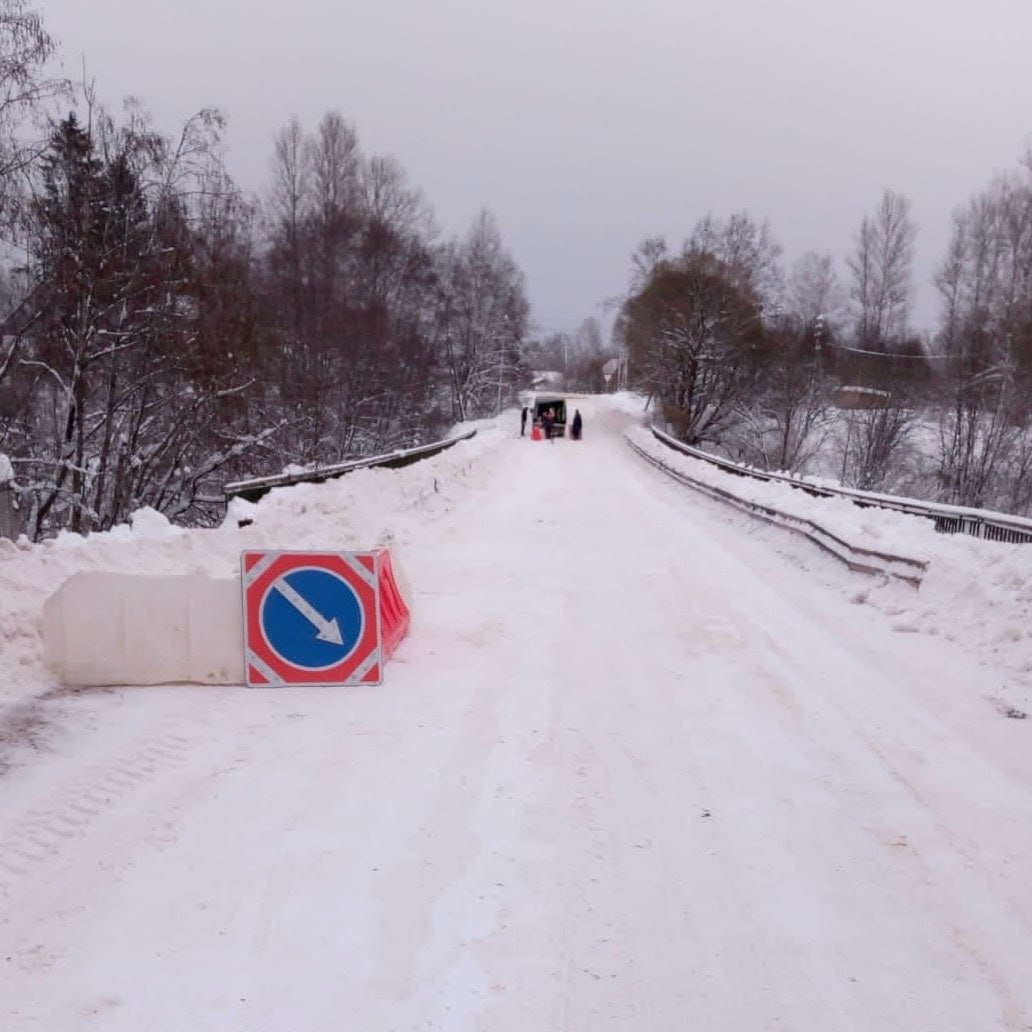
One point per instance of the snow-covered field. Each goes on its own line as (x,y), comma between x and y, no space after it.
(641,764)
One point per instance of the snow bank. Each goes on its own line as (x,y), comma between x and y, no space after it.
(145,524)
(365,509)
(978,593)
(628,402)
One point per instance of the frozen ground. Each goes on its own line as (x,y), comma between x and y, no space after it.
(641,765)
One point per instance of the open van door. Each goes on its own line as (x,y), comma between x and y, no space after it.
(555,402)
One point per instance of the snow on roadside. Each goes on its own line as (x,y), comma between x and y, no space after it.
(977,593)
(356,511)
(629,403)
(876,529)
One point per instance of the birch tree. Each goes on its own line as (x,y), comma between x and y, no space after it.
(881,268)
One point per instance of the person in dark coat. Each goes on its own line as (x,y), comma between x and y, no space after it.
(523,421)
(578,423)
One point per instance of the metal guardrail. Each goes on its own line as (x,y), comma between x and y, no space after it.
(949,519)
(857,559)
(252,490)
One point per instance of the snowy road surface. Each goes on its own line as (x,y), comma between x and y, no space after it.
(631,771)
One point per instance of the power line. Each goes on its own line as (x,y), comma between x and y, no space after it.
(923,357)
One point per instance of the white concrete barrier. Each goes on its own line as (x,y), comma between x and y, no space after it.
(115,628)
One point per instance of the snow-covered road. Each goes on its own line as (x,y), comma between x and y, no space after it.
(630,771)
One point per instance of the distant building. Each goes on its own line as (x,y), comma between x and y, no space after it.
(545,378)
(854,397)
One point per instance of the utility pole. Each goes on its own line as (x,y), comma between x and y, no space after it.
(818,339)
(501,355)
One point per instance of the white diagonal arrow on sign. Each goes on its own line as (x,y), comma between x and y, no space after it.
(326,630)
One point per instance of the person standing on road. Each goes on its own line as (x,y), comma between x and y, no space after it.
(547,423)
(523,421)
(577,424)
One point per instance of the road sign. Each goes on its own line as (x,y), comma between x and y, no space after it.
(311,618)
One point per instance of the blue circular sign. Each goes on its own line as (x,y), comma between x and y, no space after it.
(311,618)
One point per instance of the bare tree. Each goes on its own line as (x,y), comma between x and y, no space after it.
(815,295)
(589,337)
(313,280)
(289,202)
(880,265)
(335,162)
(394,283)
(977,434)
(481,319)
(397,225)
(874,439)
(291,176)
(970,278)
(381,333)
(785,416)
(132,259)
(1016,493)
(985,281)
(644,260)
(25,49)
(749,252)
(689,332)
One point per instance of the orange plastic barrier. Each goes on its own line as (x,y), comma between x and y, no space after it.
(394,612)
(535,434)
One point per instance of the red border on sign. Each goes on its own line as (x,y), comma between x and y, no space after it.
(254,636)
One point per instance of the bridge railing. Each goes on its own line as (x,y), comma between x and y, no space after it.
(255,488)
(856,558)
(949,519)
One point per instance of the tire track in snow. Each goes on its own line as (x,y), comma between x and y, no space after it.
(43,834)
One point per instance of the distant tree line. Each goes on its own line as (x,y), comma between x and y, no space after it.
(801,371)
(582,360)
(163,332)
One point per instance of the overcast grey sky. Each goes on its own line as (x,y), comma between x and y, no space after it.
(586,125)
